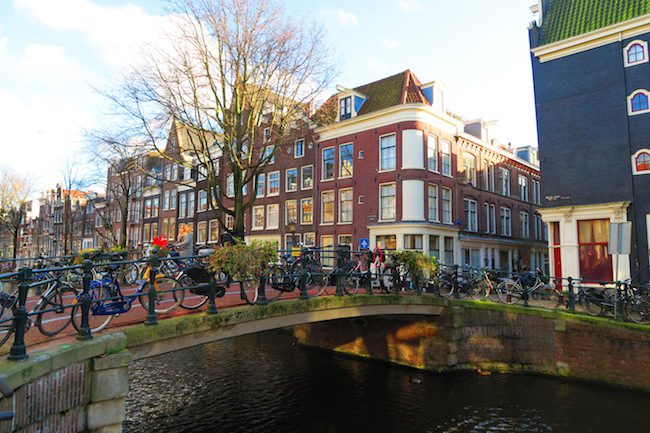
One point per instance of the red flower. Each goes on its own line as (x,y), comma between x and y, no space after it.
(160,241)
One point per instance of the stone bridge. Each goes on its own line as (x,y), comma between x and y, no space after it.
(81,386)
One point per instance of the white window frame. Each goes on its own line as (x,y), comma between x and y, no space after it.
(202,192)
(302,177)
(446,169)
(381,214)
(269,208)
(340,210)
(262,177)
(286,211)
(470,176)
(493,217)
(322,206)
(505,184)
(309,235)
(629,102)
(628,47)
(301,214)
(524,216)
(209,233)
(451,206)
(506,215)
(295,148)
(634,157)
(523,188)
(341,160)
(471,220)
(286,179)
(268,184)
(486,212)
(323,178)
(436,217)
(394,167)
(256,209)
(432,154)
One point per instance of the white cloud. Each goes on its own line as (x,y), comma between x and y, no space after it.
(390,44)
(408,6)
(347,18)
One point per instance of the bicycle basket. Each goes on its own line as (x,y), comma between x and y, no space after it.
(198,274)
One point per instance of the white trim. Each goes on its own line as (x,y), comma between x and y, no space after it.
(312,211)
(385,170)
(340,166)
(322,207)
(286,179)
(644,46)
(607,35)
(379,214)
(340,208)
(322,162)
(268,183)
(295,147)
(636,154)
(302,188)
(253,225)
(629,102)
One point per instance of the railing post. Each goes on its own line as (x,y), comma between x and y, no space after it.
(212,293)
(339,270)
(455,282)
(368,280)
(18,350)
(618,302)
(302,281)
(524,286)
(152,319)
(85,332)
(261,292)
(571,305)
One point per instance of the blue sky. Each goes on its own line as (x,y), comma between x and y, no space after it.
(52,53)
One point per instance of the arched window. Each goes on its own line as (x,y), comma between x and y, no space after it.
(642,161)
(635,53)
(639,102)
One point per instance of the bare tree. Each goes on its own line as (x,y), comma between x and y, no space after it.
(14,196)
(232,69)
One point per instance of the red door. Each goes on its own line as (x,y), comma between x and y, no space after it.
(557,252)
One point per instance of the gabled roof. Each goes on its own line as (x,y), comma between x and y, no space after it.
(563,19)
(398,89)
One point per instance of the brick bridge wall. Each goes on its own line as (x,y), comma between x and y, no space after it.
(496,338)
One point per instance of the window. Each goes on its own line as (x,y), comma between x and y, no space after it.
(386,242)
(328,163)
(307,177)
(291,212)
(147,209)
(413,242)
(491,177)
(505,182)
(449,251)
(523,188)
(309,239)
(327,207)
(327,257)
(166,196)
(155,204)
(346,154)
(345,108)
(345,206)
(445,149)
(535,191)
(201,232)
(387,195)
(269,154)
(203,200)
(229,222)
(273,216)
(471,257)
(261,185)
(432,153)
(146,233)
(432,201)
(306,211)
(213,232)
(299,149)
(434,246)
(506,227)
(638,102)
(258,217)
(190,204)
(292,180)
(595,261)
(471,215)
(267,134)
(274,183)
(469,166)
(446,206)
(635,52)
(524,221)
(168,172)
(230,185)
(493,219)
(641,162)
(387,152)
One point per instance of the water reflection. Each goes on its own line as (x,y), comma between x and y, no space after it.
(264,383)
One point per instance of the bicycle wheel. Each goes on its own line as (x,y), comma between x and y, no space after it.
(509,292)
(317,283)
(248,291)
(169,295)
(191,301)
(6,317)
(96,322)
(445,286)
(637,310)
(278,280)
(351,283)
(132,273)
(478,291)
(592,301)
(53,317)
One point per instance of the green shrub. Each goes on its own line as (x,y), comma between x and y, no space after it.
(420,266)
(243,262)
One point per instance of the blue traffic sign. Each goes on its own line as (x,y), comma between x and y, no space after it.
(364,244)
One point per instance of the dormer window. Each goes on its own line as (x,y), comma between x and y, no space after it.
(641,162)
(345,111)
(638,102)
(636,52)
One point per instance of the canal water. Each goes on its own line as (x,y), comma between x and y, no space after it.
(265,383)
